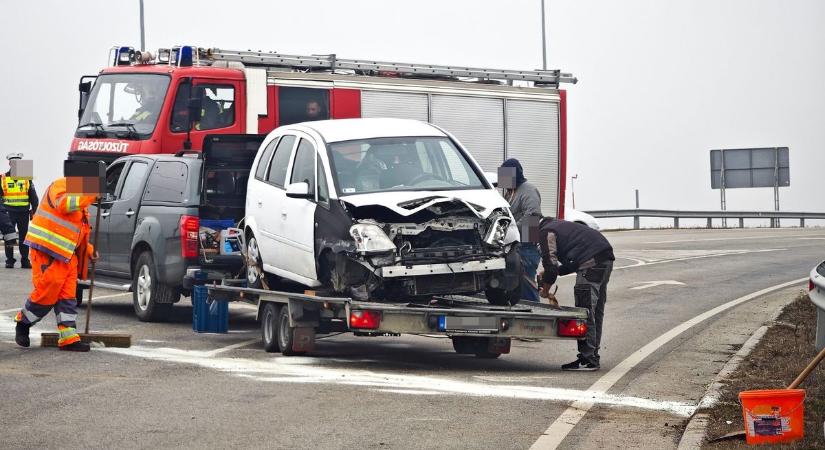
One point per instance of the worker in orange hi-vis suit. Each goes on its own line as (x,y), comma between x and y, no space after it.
(60,250)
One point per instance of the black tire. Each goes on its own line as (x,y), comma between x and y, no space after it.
(501,297)
(254,277)
(269,327)
(285,333)
(78,294)
(472,345)
(152,300)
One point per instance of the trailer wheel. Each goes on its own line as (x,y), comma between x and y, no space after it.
(269,327)
(286,337)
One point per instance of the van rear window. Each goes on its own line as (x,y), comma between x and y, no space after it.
(168,182)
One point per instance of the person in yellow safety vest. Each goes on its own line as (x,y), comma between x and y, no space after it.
(61,251)
(20,201)
(149,108)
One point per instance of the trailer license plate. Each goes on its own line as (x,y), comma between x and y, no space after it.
(486,325)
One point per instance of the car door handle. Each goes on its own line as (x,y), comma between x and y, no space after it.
(130,213)
(104,214)
(260,204)
(283,214)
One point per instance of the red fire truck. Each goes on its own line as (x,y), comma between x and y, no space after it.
(169,102)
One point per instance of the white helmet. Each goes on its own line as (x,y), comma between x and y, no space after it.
(11,156)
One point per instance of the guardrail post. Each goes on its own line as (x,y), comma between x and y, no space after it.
(801,222)
(710,222)
(635,222)
(741,222)
(676,223)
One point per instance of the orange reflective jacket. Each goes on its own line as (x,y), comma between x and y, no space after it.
(61,224)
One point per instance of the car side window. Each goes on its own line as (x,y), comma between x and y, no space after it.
(303,169)
(113,176)
(280,161)
(133,181)
(260,171)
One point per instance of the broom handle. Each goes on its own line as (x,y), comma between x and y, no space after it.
(811,366)
(92,274)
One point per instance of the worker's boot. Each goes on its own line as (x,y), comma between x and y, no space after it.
(21,334)
(78,346)
(25,263)
(10,263)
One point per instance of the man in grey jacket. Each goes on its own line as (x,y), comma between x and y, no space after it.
(525,204)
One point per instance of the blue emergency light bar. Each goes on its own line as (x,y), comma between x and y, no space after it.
(124,56)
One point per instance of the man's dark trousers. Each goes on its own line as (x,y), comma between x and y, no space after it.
(590,292)
(20,219)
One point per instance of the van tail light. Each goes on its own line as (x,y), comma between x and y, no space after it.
(189,228)
(810,285)
(365,319)
(572,328)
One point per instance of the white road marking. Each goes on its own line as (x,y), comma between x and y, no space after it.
(218,351)
(561,427)
(738,252)
(312,370)
(122,294)
(812,239)
(650,284)
(771,236)
(9,310)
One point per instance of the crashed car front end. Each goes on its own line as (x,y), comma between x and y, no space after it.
(448,246)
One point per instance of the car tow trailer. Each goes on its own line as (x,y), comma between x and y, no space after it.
(290,321)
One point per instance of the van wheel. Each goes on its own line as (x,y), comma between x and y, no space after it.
(254,264)
(151,299)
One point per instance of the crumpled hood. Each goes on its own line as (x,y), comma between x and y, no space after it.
(416,201)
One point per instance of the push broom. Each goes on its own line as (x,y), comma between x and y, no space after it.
(107,339)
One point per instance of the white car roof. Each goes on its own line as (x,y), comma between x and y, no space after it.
(350,129)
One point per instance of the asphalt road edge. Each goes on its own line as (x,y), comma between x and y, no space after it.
(696,428)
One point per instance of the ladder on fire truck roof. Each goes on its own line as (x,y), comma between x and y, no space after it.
(332,63)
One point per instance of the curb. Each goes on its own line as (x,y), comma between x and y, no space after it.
(694,435)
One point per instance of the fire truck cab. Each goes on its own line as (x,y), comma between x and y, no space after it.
(165,103)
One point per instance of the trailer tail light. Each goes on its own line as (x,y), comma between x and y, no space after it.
(189,228)
(572,328)
(365,319)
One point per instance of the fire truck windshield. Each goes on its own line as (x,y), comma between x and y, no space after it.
(124,105)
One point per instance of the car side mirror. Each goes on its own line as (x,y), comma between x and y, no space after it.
(107,200)
(299,190)
(85,89)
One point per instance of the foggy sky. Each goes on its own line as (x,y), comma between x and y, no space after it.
(661,82)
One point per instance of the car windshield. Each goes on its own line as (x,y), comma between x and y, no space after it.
(124,104)
(401,164)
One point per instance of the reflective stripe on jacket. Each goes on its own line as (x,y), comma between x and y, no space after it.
(15,191)
(61,224)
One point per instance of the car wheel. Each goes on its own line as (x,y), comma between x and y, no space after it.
(285,333)
(151,299)
(254,263)
(501,297)
(269,327)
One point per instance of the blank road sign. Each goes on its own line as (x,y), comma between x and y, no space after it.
(749,168)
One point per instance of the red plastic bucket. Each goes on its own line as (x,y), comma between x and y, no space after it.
(773,415)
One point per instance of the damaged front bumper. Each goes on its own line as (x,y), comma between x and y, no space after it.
(437,269)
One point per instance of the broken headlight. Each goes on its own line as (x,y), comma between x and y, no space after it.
(497,232)
(370,238)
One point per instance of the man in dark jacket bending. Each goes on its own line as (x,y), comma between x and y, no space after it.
(568,247)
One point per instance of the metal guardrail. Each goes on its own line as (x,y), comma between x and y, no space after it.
(709,215)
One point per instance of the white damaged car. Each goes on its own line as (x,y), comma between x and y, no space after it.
(380,209)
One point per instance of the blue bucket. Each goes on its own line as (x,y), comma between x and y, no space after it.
(208,317)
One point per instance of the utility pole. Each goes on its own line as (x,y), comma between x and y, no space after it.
(573,188)
(142,34)
(543,48)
